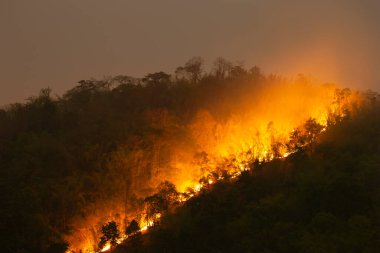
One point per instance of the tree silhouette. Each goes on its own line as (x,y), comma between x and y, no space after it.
(160,202)
(157,78)
(132,228)
(222,68)
(110,233)
(192,70)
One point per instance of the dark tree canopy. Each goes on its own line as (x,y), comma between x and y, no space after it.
(132,228)
(110,234)
(63,158)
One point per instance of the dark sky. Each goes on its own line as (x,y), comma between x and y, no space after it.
(55,43)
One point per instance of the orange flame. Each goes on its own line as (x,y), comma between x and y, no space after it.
(258,122)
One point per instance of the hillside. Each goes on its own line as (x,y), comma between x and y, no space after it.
(322,200)
(163,155)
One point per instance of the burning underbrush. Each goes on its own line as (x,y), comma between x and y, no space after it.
(179,158)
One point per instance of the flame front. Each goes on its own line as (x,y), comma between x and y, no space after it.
(210,144)
(107,247)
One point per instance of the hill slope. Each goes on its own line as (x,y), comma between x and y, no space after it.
(322,200)
(70,165)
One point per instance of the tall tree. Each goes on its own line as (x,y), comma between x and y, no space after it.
(194,69)
(110,233)
(222,68)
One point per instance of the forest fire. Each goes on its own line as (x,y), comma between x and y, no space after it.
(260,126)
(108,144)
(106,248)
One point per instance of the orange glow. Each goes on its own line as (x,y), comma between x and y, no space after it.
(107,247)
(198,187)
(145,225)
(261,120)
(258,128)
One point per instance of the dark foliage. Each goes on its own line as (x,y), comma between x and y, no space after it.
(132,228)
(110,234)
(55,152)
(321,200)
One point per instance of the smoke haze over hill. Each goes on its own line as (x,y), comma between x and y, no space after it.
(57,43)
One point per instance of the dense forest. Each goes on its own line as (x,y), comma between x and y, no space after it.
(84,168)
(323,198)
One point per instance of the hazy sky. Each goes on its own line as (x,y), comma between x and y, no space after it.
(55,43)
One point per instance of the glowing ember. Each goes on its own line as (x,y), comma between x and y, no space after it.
(145,228)
(121,239)
(107,247)
(197,187)
(145,225)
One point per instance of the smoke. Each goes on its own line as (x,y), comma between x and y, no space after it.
(335,41)
(56,43)
(236,124)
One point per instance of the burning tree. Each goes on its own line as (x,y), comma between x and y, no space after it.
(304,136)
(165,197)
(110,234)
(133,228)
